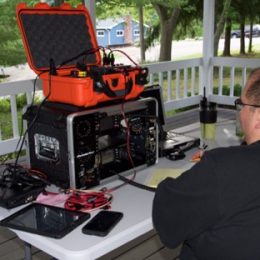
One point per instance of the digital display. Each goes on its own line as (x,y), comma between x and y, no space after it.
(45,220)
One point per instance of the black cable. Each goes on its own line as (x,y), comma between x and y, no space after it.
(136,184)
(33,121)
(124,54)
(85,52)
(22,138)
(32,102)
(17,175)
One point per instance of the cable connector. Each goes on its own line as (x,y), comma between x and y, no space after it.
(105,59)
(111,59)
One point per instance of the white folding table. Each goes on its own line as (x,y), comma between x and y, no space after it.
(135,203)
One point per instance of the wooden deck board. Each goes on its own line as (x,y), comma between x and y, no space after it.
(165,254)
(143,250)
(146,247)
(11,247)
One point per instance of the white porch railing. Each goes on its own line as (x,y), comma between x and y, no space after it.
(10,91)
(181,82)
(237,69)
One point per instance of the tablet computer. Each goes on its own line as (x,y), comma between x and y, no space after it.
(45,220)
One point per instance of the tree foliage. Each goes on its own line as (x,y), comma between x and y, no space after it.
(11,49)
(167,19)
(11,46)
(221,24)
(241,13)
(171,14)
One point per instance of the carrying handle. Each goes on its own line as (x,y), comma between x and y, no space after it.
(118,93)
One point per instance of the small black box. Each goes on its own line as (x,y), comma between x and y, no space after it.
(17,195)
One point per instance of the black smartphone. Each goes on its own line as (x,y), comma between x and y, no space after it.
(102,223)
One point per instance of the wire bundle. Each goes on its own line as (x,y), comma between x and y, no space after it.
(88,200)
(15,174)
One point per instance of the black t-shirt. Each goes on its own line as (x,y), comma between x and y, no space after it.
(213,208)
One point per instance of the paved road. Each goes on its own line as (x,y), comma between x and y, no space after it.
(182,49)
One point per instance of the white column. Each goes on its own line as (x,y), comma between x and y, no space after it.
(208,45)
(91,5)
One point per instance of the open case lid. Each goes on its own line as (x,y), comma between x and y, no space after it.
(62,34)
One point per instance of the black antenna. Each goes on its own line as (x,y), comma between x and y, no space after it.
(204,94)
(53,70)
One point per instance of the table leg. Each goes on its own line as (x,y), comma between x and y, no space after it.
(27,251)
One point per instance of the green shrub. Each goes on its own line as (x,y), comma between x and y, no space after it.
(10,156)
(237,90)
(37,100)
(5,105)
(21,101)
(226,90)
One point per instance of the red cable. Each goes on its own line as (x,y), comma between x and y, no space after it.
(88,200)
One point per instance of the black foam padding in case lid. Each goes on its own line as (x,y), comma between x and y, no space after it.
(58,37)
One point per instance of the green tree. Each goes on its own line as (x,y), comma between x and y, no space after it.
(141,30)
(228,26)
(163,25)
(171,13)
(11,48)
(221,24)
(140,5)
(168,12)
(242,10)
(117,8)
(253,14)
(231,17)
(241,13)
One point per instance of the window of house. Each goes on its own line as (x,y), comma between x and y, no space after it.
(119,33)
(100,33)
(136,32)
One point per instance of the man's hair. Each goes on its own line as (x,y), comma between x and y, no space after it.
(253,86)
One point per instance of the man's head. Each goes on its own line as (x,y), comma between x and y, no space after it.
(249,115)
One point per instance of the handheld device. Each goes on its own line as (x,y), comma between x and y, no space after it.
(102,223)
(45,220)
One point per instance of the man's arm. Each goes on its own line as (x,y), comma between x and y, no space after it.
(186,206)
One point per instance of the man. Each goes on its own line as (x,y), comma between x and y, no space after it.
(213,209)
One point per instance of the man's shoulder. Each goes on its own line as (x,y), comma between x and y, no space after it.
(227,149)
(230,151)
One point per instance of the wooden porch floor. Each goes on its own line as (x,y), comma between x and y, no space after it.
(147,247)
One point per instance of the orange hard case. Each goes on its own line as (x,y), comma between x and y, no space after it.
(56,40)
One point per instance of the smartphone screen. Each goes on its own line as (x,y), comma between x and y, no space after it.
(102,223)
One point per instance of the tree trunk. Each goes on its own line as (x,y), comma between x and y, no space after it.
(250,37)
(242,37)
(168,23)
(220,26)
(165,41)
(141,32)
(58,2)
(226,51)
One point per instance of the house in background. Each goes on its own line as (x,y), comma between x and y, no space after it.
(118,31)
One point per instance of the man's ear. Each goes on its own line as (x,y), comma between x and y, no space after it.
(257,124)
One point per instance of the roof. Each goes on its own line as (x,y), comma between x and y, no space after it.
(109,23)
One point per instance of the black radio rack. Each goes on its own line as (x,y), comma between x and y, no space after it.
(78,147)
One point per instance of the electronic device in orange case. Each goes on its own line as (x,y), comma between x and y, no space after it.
(61,47)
